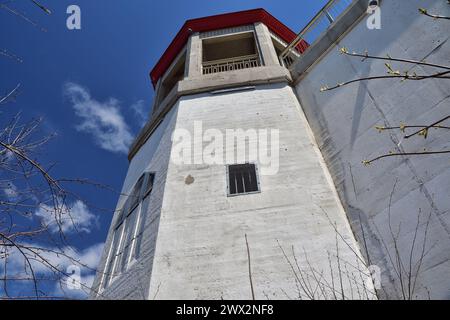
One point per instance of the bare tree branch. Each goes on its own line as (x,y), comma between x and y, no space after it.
(249,268)
(43,8)
(10,55)
(366,55)
(398,154)
(22,16)
(434,16)
(9,95)
(414,77)
(424,131)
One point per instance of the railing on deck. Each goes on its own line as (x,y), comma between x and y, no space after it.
(321,21)
(236,63)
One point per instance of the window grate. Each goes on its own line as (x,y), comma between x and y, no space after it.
(242,179)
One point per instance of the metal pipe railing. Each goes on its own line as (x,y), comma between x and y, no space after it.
(328,14)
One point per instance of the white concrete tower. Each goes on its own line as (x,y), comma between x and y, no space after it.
(227,194)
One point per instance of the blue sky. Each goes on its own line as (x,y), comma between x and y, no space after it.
(92,85)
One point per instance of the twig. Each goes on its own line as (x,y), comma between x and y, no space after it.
(391,72)
(425,129)
(300,278)
(249,268)
(434,16)
(10,55)
(10,94)
(403,127)
(398,154)
(46,10)
(22,16)
(367,56)
(440,75)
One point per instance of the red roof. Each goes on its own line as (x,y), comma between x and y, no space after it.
(221,21)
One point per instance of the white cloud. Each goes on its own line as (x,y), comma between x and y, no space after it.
(140,113)
(103,120)
(89,259)
(11,192)
(86,260)
(91,255)
(6,156)
(63,290)
(75,217)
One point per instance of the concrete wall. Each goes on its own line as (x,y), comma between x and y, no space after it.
(196,82)
(153,156)
(343,122)
(194,240)
(201,250)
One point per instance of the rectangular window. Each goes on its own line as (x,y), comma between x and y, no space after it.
(128,236)
(129,228)
(141,219)
(242,179)
(117,253)
(135,196)
(136,241)
(107,275)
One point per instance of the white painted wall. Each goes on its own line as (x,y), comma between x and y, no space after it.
(201,251)
(194,245)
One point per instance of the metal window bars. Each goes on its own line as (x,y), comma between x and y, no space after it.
(242,179)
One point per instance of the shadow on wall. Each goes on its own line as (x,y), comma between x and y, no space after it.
(344,120)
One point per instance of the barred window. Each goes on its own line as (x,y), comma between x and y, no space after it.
(242,179)
(128,228)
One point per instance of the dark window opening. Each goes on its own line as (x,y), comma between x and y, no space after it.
(135,195)
(228,53)
(169,81)
(229,47)
(242,179)
(148,185)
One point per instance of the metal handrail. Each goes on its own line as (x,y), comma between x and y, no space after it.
(229,64)
(230,60)
(324,12)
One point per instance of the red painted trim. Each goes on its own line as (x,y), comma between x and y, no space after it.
(222,21)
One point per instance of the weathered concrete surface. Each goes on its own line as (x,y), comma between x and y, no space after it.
(201,251)
(265,45)
(194,239)
(194,56)
(325,41)
(196,82)
(206,83)
(343,123)
(153,156)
